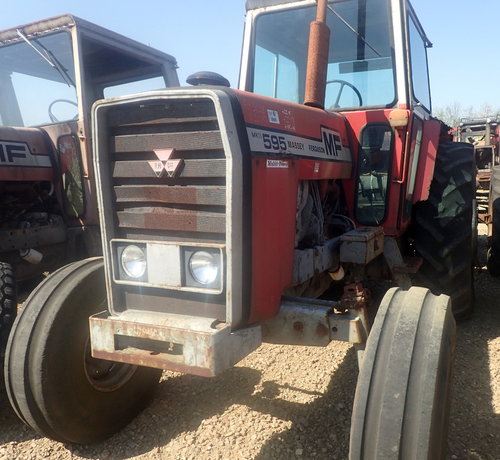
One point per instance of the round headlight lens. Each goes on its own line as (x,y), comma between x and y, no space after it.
(134,261)
(204,267)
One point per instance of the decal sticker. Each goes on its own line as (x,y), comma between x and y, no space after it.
(19,154)
(273,116)
(277,164)
(328,147)
(287,120)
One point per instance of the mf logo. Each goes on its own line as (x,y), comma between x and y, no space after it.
(332,142)
(9,152)
(18,154)
(165,163)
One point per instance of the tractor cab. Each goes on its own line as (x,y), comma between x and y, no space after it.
(51,72)
(375,60)
(376,76)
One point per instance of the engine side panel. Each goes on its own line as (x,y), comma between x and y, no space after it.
(289,143)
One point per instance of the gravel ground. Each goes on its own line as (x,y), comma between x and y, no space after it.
(288,403)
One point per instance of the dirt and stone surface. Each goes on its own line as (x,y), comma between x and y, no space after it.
(288,403)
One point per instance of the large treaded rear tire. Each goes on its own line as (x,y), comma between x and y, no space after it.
(53,383)
(401,405)
(442,229)
(8,308)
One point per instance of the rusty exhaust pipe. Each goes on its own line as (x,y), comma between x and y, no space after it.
(317,58)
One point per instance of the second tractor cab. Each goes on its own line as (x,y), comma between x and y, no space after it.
(229,217)
(51,72)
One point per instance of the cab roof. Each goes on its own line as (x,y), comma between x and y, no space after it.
(255,4)
(69,21)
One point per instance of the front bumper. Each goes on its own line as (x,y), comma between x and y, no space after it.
(188,344)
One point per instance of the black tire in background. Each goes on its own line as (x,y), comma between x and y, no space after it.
(401,405)
(8,308)
(53,383)
(442,232)
(493,263)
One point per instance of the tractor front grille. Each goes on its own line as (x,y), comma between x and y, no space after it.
(143,202)
(190,205)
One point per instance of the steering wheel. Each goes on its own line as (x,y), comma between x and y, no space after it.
(53,118)
(343,83)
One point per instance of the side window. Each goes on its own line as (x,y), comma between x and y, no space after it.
(419,68)
(110,71)
(37,81)
(285,82)
(373,174)
(71,176)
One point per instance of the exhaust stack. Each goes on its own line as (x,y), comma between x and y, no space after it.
(317,58)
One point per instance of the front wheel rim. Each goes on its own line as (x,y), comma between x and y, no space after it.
(106,375)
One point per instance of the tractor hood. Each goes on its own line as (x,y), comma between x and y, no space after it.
(295,130)
(25,155)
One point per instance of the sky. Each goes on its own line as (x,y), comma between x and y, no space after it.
(207,35)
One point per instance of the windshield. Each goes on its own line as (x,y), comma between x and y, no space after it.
(360,62)
(36,85)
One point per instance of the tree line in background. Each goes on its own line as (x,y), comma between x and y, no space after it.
(453,113)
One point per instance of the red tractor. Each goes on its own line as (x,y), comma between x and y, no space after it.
(484,135)
(229,217)
(51,71)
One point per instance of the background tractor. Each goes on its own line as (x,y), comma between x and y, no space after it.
(484,135)
(230,216)
(51,71)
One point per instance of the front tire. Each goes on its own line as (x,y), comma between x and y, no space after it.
(401,405)
(53,383)
(8,308)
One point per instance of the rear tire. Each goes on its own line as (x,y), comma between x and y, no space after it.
(52,382)
(8,308)
(442,232)
(401,405)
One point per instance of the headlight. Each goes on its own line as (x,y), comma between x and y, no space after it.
(204,267)
(133,261)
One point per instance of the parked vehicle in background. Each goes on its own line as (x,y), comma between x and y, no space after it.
(51,71)
(484,134)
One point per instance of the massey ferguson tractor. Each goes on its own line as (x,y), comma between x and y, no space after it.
(484,135)
(231,217)
(51,72)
